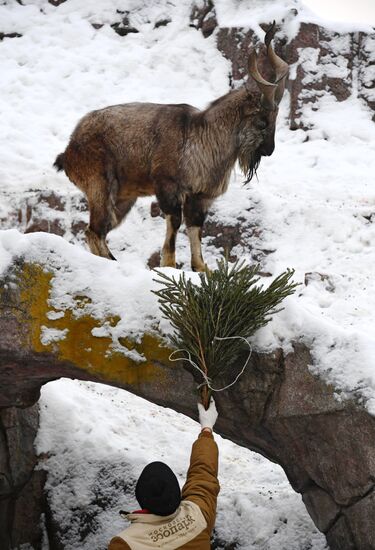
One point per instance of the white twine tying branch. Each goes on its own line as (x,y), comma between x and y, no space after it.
(207,380)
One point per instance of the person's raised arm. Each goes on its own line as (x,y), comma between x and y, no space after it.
(202,485)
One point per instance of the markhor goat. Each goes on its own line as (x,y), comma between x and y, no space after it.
(180,154)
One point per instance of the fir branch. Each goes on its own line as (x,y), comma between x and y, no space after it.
(226,303)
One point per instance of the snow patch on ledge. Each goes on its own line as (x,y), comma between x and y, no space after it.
(51,335)
(343,356)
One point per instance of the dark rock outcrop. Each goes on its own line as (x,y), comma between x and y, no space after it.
(366,69)
(63,214)
(277,408)
(124,27)
(9,35)
(322,61)
(203,17)
(56,2)
(21,486)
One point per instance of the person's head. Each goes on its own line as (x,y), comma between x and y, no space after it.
(157,489)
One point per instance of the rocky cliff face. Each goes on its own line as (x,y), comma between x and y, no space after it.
(326,447)
(21,485)
(278,408)
(321,60)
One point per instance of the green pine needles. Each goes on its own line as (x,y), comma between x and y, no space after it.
(228,303)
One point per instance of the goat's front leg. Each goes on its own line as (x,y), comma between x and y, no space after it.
(195,211)
(168,254)
(171,206)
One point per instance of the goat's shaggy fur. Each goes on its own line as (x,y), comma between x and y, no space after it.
(180,154)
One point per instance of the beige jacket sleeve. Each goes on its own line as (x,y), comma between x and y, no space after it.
(202,485)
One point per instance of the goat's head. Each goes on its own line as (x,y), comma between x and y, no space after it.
(257,133)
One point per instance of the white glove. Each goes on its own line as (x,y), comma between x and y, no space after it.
(208,417)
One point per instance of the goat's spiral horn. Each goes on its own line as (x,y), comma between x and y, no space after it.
(280,67)
(272,92)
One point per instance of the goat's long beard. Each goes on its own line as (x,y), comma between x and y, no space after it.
(249,162)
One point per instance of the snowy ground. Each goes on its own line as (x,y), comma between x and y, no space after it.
(101,438)
(315,202)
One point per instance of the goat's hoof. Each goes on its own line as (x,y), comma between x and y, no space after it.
(111,257)
(167,262)
(200,268)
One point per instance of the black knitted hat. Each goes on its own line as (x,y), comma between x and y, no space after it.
(158,490)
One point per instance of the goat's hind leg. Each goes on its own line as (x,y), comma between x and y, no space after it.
(101,218)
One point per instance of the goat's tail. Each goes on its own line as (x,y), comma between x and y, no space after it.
(59,162)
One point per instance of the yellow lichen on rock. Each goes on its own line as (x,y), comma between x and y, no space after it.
(94,354)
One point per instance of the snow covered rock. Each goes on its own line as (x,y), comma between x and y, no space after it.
(203,17)
(58,319)
(321,60)
(366,69)
(51,211)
